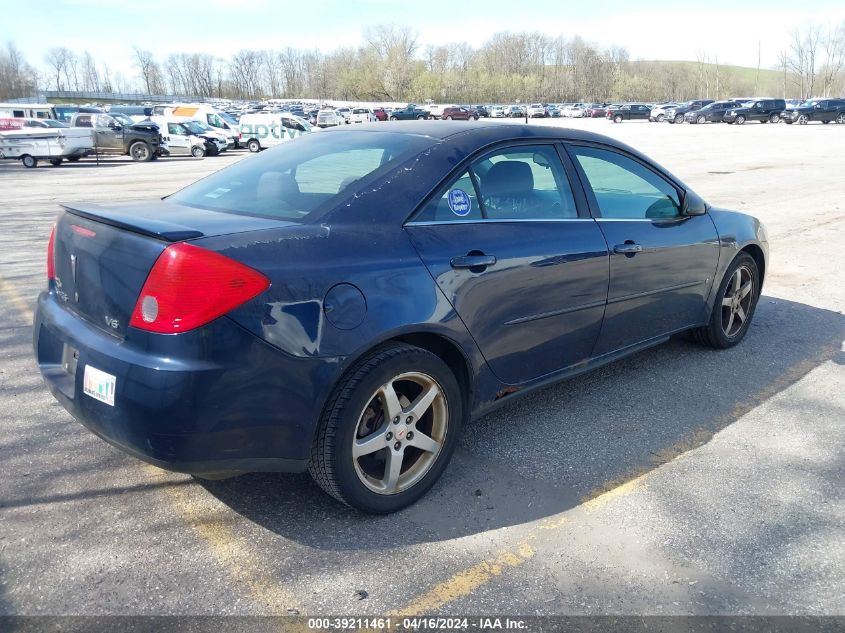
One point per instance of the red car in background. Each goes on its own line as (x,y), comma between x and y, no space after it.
(595,110)
(459,114)
(381,115)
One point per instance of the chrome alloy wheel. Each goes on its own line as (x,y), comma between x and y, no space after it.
(737,301)
(400,433)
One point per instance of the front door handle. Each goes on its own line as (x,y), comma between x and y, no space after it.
(476,263)
(628,248)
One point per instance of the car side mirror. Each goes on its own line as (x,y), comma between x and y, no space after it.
(693,205)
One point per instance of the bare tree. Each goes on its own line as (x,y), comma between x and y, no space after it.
(834,48)
(57,59)
(151,74)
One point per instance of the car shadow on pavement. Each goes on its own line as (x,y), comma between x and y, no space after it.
(566,444)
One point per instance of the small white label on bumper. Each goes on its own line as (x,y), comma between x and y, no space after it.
(99,385)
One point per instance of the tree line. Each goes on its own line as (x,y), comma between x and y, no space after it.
(391,65)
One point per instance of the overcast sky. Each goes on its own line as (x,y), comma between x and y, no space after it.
(649,29)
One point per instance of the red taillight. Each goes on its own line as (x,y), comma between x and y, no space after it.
(190,286)
(51,264)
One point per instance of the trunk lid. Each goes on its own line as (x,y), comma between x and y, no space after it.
(103,254)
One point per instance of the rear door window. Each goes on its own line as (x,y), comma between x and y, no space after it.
(518,183)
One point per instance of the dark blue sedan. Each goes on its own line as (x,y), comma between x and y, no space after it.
(345,302)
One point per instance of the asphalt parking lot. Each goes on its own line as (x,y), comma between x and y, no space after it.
(679,481)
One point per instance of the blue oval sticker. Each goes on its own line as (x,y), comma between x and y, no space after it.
(459,202)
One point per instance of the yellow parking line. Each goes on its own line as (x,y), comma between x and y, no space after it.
(246,568)
(10,294)
(214,530)
(465,582)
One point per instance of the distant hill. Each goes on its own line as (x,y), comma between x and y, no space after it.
(739,81)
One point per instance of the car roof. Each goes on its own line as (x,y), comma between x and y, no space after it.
(490,132)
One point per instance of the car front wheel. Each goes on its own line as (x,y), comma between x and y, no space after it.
(735,304)
(389,430)
(140,152)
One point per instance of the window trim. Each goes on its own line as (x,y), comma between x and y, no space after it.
(595,210)
(572,177)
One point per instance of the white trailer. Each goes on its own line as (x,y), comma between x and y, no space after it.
(29,145)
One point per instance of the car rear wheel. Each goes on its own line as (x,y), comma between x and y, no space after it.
(393,118)
(55,162)
(29,161)
(139,151)
(389,430)
(825,122)
(448,118)
(774,118)
(73,159)
(735,304)
(679,118)
(841,118)
(253,146)
(422,118)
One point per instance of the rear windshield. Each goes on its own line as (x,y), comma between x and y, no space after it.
(308,174)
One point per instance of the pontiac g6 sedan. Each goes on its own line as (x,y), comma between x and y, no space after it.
(344,303)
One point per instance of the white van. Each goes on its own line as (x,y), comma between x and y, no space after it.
(27,111)
(184,137)
(266,129)
(220,121)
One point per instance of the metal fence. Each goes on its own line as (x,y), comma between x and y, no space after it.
(111,97)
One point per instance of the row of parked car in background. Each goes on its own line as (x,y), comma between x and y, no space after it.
(57,133)
(740,111)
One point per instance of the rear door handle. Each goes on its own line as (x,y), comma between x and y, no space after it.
(627,249)
(473,261)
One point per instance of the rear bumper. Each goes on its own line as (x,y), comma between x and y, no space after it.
(236,405)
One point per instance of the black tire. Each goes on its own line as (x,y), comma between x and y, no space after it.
(393,118)
(713,334)
(803,119)
(740,119)
(253,146)
(840,119)
(73,159)
(825,122)
(774,118)
(701,120)
(660,118)
(29,161)
(618,118)
(448,118)
(140,152)
(55,162)
(332,465)
(679,118)
(422,118)
(197,151)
